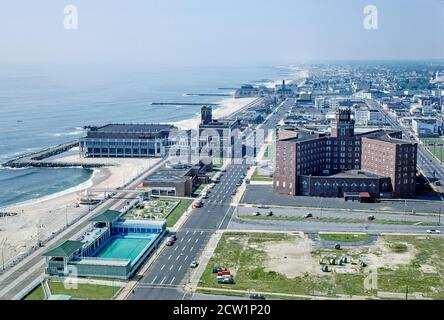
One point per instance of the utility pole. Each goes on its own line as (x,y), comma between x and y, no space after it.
(439,216)
(406,292)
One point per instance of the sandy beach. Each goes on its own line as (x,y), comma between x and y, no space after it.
(43,217)
(224,109)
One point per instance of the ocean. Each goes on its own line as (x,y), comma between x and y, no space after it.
(45,105)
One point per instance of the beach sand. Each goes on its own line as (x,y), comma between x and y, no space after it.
(39,219)
(224,109)
(22,230)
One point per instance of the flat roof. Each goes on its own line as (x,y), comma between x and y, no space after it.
(130,131)
(355,174)
(168,175)
(64,249)
(144,127)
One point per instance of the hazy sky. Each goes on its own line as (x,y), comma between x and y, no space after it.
(215,32)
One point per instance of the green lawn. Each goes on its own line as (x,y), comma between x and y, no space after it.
(88,291)
(84,291)
(432,146)
(199,190)
(178,212)
(338,220)
(257,177)
(36,294)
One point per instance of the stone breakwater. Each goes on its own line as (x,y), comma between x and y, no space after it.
(36,159)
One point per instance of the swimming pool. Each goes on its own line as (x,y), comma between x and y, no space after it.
(126,247)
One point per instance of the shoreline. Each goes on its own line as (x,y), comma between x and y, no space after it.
(55,210)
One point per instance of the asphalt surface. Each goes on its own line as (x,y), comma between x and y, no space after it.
(171,269)
(258,194)
(169,272)
(331,213)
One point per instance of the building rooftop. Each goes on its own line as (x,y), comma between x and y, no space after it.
(106,216)
(355,174)
(168,175)
(130,131)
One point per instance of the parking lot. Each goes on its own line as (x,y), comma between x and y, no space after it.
(263,194)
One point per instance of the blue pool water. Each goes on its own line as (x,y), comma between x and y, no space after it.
(126,247)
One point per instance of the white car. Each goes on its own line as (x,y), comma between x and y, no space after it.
(433,231)
(256,214)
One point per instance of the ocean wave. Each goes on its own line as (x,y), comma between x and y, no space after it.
(80,187)
(76,132)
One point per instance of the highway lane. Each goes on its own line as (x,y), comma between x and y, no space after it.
(313,226)
(332,213)
(171,269)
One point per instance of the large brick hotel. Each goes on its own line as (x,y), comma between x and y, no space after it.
(328,165)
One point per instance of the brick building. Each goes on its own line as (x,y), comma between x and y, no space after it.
(317,164)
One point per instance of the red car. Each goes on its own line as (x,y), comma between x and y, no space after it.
(198,204)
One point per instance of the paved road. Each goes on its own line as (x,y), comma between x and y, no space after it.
(314,226)
(170,271)
(331,213)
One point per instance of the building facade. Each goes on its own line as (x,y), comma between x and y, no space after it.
(312,163)
(128,140)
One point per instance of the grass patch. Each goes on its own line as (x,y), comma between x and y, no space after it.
(244,255)
(86,291)
(36,294)
(199,190)
(338,220)
(257,177)
(343,237)
(398,247)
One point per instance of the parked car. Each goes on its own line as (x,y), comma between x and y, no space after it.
(233,193)
(173,236)
(433,231)
(217,269)
(205,196)
(198,204)
(263,206)
(269,213)
(257,297)
(371,217)
(194,264)
(223,170)
(169,242)
(226,280)
(308,215)
(256,214)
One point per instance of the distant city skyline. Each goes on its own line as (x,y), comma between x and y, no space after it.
(226,32)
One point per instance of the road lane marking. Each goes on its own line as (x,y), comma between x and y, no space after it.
(170,257)
(189,239)
(154,279)
(184,248)
(191,248)
(177,258)
(162,267)
(171,267)
(197,239)
(172,280)
(163,280)
(180,267)
(186,258)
